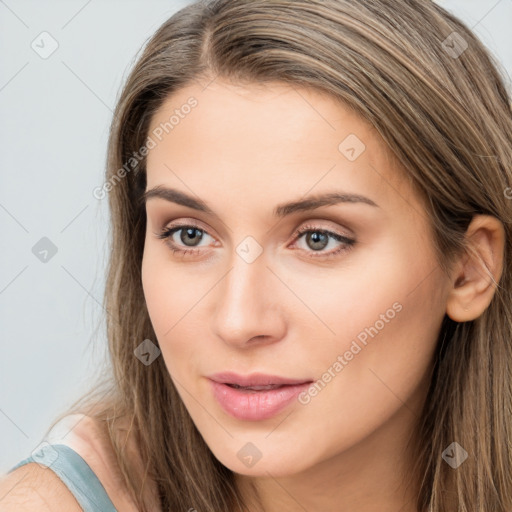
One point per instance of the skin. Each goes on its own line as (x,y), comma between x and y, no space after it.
(244,150)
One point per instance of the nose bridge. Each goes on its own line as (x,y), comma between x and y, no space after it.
(246,302)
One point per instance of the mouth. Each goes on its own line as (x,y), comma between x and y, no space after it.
(255,397)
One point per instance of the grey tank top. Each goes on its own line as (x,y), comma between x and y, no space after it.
(76,474)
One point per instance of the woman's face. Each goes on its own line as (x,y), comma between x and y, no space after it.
(352,306)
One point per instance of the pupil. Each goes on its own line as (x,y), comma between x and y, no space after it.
(317,238)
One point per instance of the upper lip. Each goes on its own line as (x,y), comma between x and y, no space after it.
(254,379)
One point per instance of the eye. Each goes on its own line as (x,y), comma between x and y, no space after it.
(190,235)
(318,239)
(315,238)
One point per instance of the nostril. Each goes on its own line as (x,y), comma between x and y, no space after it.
(259,336)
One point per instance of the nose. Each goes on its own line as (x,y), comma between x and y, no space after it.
(248,311)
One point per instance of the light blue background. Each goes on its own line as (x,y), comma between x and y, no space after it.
(55,115)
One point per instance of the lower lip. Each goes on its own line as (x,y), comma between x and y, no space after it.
(255,405)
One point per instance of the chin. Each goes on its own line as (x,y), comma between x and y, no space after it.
(263,458)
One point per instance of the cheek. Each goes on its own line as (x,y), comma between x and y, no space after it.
(370,295)
(386,315)
(384,363)
(173,299)
(163,291)
(391,294)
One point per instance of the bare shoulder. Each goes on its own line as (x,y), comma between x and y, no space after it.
(34,488)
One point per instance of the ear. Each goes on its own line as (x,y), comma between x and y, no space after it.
(478,270)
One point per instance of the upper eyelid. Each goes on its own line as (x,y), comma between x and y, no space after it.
(188,224)
(191,221)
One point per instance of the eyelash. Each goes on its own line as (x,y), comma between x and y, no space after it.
(167,233)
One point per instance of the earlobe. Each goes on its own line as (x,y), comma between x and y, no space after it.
(479,269)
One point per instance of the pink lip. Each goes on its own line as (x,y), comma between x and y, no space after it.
(254,379)
(254,405)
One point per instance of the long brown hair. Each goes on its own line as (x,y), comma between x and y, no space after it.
(443,110)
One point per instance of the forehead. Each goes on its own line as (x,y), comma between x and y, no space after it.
(268,139)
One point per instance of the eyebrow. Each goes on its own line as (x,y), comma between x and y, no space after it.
(282,210)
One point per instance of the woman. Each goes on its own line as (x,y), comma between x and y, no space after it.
(309,289)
